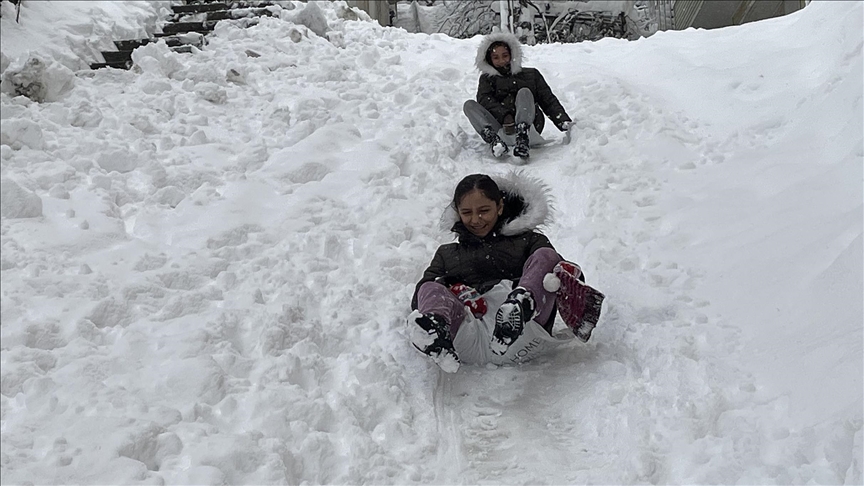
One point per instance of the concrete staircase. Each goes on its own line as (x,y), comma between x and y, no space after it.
(187,27)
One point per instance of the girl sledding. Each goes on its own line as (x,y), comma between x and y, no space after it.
(511,99)
(491,297)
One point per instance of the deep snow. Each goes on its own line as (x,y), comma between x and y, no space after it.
(207,261)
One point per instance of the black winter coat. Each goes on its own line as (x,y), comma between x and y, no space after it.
(481,263)
(498,87)
(498,95)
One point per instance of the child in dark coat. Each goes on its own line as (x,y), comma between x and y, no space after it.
(497,242)
(511,99)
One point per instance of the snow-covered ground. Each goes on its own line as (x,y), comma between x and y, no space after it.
(207,261)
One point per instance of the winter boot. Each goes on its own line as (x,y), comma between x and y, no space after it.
(510,320)
(521,148)
(489,136)
(430,334)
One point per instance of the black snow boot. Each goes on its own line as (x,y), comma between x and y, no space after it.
(511,318)
(521,148)
(430,334)
(491,137)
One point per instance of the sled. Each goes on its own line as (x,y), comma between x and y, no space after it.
(579,304)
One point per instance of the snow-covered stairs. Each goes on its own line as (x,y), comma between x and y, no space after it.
(186,28)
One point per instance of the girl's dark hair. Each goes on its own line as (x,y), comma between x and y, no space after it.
(492,48)
(482,183)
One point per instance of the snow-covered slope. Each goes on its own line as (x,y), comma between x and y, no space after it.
(207,262)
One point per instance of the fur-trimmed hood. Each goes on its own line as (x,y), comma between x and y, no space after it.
(527,206)
(515,53)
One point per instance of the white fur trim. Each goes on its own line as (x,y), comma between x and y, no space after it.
(535,193)
(515,53)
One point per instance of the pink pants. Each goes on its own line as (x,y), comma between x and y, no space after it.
(434,298)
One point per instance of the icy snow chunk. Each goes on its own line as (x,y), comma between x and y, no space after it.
(447,362)
(170,196)
(369,58)
(336,38)
(42,358)
(198,137)
(59,191)
(13,376)
(150,262)
(118,161)
(345,12)
(308,172)
(155,86)
(43,335)
(313,18)
(195,380)
(17,202)
(295,35)
(110,312)
(20,133)
(194,38)
(499,149)
(157,58)
(236,75)
(150,445)
(212,93)
(86,115)
(37,79)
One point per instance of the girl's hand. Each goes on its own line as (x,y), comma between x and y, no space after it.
(471,298)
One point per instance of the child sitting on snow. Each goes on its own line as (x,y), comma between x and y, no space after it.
(499,250)
(511,99)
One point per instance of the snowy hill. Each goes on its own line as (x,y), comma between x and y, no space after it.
(207,261)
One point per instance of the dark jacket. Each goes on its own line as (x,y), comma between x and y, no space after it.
(497,90)
(483,262)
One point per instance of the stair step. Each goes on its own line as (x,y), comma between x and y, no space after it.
(183,27)
(227,14)
(212,12)
(117,59)
(112,57)
(171,41)
(198,7)
(193,8)
(162,35)
(131,45)
(116,65)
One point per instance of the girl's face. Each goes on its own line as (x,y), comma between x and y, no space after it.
(479,213)
(500,56)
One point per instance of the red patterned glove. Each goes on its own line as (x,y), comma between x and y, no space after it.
(470,297)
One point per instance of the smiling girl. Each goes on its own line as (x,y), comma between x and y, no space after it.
(497,245)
